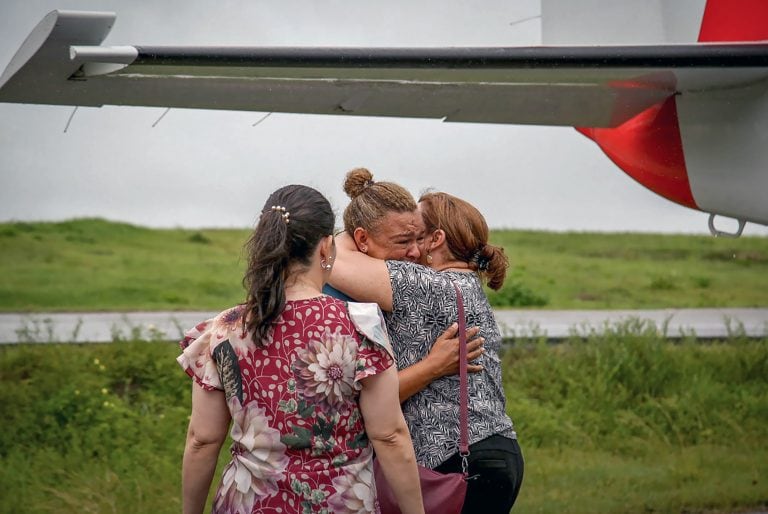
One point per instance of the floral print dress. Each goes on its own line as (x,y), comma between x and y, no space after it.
(298,438)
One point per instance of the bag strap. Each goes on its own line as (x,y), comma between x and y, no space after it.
(463,384)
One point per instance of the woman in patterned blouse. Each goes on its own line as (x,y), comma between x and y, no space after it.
(384,222)
(419,303)
(306,381)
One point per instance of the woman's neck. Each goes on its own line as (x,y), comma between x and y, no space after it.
(303,286)
(451,265)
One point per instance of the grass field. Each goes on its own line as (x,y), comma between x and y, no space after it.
(624,423)
(93,264)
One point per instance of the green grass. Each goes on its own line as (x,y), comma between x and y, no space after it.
(92,264)
(617,271)
(628,422)
(86,265)
(624,423)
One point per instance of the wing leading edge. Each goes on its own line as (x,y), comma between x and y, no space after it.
(686,121)
(62,62)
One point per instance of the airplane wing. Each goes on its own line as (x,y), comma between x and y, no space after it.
(62,62)
(687,121)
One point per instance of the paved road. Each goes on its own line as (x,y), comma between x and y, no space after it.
(106,327)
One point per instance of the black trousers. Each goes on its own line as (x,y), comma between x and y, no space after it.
(496,474)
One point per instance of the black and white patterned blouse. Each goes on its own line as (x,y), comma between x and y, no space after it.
(423,306)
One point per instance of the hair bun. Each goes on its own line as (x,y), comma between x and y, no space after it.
(356,182)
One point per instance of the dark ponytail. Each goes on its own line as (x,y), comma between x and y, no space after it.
(293,221)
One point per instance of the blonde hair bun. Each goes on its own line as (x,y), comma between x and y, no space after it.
(356,182)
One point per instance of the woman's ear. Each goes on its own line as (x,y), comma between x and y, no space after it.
(437,238)
(360,235)
(333,248)
(433,241)
(328,248)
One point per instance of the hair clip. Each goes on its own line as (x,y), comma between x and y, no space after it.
(480,260)
(283,212)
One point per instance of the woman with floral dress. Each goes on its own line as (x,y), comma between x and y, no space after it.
(306,380)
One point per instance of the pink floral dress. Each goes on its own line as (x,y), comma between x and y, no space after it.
(298,438)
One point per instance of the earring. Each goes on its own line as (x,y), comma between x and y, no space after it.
(364,249)
(326,265)
(429,258)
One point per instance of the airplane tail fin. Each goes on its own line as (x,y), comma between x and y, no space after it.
(648,147)
(734,20)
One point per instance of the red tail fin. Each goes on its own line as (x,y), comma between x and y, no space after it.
(649,147)
(734,20)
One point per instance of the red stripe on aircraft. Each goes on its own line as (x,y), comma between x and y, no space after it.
(649,149)
(734,20)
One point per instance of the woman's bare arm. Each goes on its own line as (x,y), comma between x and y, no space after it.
(367,280)
(207,431)
(442,360)
(386,428)
(363,278)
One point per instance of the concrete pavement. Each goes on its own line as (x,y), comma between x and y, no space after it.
(552,324)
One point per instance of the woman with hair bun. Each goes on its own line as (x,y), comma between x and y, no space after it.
(384,222)
(420,301)
(381,218)
(306,381)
